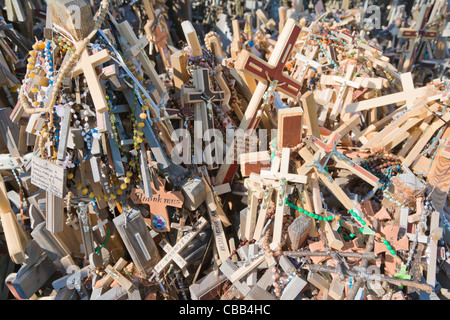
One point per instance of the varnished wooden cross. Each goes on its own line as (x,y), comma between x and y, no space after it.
(269,74)
(160,200)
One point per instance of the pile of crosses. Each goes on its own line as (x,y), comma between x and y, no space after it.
(281,155)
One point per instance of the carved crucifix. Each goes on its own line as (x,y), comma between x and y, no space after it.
(279,172)
(160,200)
(270,76)
(307,63)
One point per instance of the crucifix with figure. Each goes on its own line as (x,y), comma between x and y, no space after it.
(204,114)
(271,76)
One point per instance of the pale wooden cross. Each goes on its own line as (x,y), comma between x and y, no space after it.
(217,217)
(279,171)
(158,203)
(308,62)
(262,71)
(344,84)
(72,223)
(168,249)
(192,38)
(409,96)
(236,44)
(173,254)
(87,65)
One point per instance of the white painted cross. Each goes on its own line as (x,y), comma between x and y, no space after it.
(100,226)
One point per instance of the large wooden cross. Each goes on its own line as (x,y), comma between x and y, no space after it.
(160,200)
(87,65)
(410,94)
(269,74)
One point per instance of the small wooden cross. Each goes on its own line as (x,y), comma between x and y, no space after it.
(344,84)
(307,63)
(203,112)
(158,203)
(135,49)
(100,226)
(409,95)
(173,253)
(87,65)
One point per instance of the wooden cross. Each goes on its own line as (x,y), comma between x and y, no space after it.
(137,239)
(307,63)
(414,35)
(410,96)
(263,71)
(158,35)
(16,239)
(217,217)
(236,44)
(352,39)
(87,65)
(192,38)
(279,171)
(203,112)
(173,254)
(159,202)
(344,84)
(136,50)
(330,151)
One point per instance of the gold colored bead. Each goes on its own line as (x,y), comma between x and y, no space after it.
(123,186)
(85,191)
(143,116)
